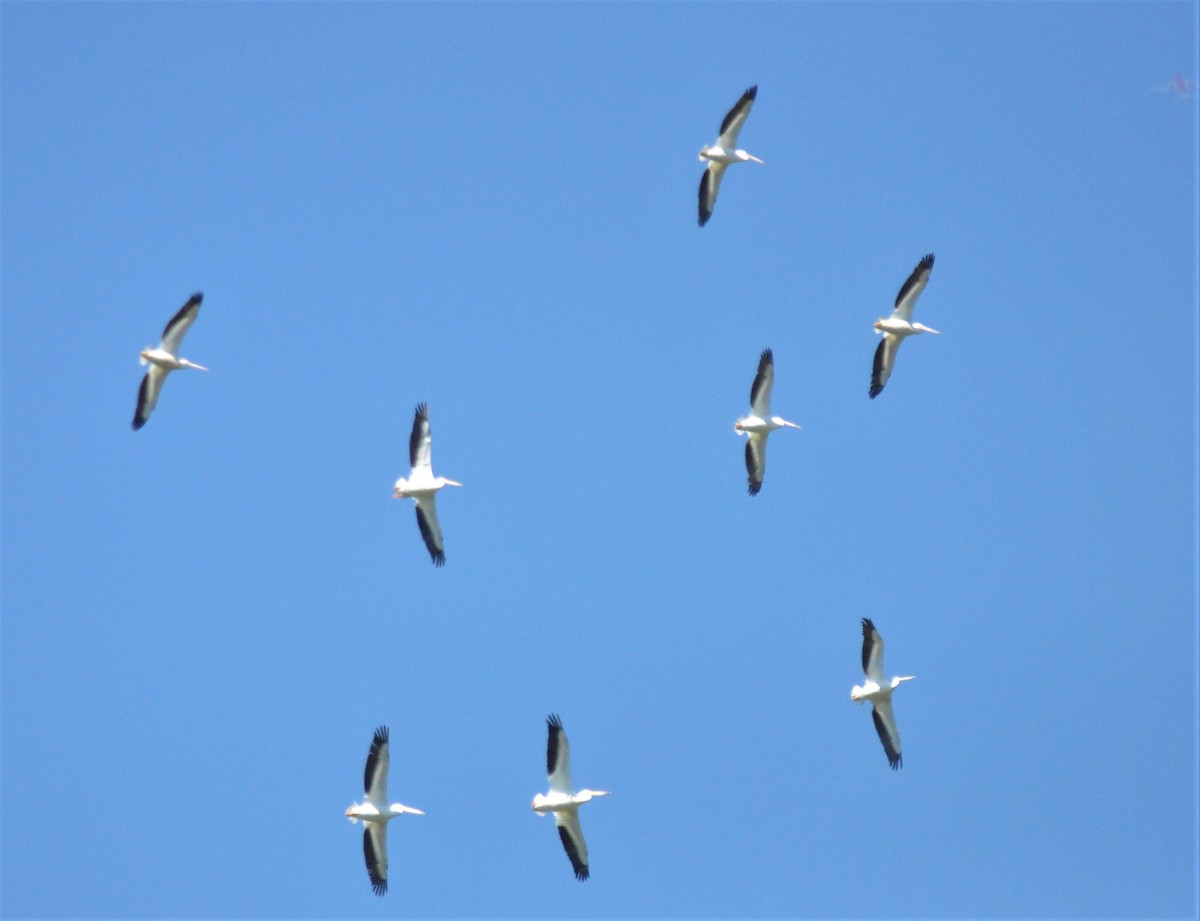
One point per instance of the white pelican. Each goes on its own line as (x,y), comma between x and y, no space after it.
(878,690)
(375,812)
(563,800)
(724,152)
(165,359)
(421,486)
(760,423)
(899,325)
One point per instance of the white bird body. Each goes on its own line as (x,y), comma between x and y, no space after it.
(421,486)
(165,359)
(556,799)
(878,690)
(723,157)
(723,153)
(375,811)
(760,423)
(563,800)
(899,326)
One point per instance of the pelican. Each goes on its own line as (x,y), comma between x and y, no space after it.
(421,486)
(899,325)
(760,423)
(878,690)
(563,800)
(165,359)
(724,152)
(374,811)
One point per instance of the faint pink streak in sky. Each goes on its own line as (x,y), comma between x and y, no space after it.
(1179,86)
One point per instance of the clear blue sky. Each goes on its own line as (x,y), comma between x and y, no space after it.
(493,209)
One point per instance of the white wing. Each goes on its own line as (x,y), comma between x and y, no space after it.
(889,735)
(375,852)
(148,395)
(911,289)
(731,127)
(419,441)
(558,757)
(573,843)
(375,777)
(710,184)
(764,382)
(431,530)
(756,461)
(179,324)
(885,360)
(872,653)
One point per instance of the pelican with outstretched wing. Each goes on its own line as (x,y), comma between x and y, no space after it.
(165,359)
(563,799)
(724,152)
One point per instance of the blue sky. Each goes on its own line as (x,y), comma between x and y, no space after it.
(492,209)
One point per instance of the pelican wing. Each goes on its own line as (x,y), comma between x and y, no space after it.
(885,359)
(431,530)
(375,852)
(573,842)
(710,184)
(764,381)
(872,653)
(419,441)
(731,127)
(179,324)
(558,760)
(912,288)
(889,735)
(756,461)
(375,777)
(148,395)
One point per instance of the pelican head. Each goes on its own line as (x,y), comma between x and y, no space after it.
(184,363)
(782,422)
(399,808)
(897,681)
(584,795)
(922,328)
(743,156)
(446,482)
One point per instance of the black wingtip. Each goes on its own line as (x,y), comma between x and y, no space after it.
(553,721)
(867,626)
(137,424)
(927,262)
(580,868)
(381,736)
(754,488)
(438,557)
(379,886)
(752,92)
(422,411)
